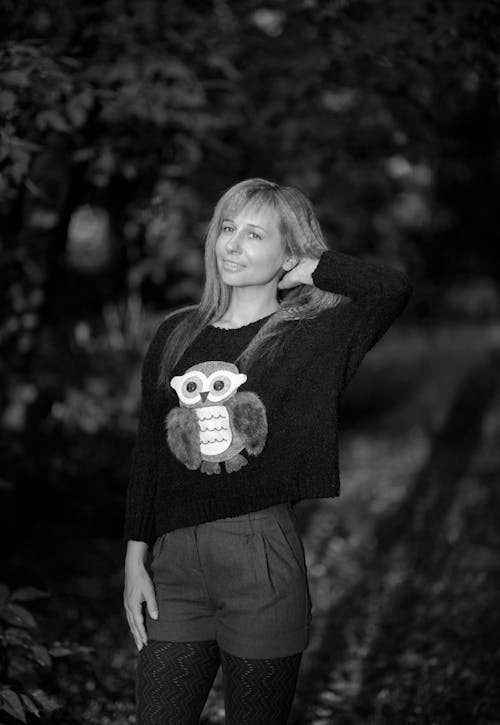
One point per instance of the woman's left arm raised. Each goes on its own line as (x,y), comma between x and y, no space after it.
(378,295)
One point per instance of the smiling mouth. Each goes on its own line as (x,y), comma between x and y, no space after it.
(231,265)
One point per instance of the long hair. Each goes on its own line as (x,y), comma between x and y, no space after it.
(301,235)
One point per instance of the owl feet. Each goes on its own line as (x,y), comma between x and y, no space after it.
(235,463)
(209,467)
(232,464)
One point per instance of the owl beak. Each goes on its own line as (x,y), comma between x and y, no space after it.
(204,396)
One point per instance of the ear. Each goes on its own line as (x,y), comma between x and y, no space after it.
(290,262)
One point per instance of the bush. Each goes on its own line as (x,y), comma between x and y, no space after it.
(27,664)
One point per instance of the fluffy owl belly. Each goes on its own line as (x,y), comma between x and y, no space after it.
(215,429)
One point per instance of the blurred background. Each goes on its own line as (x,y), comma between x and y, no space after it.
(122,123)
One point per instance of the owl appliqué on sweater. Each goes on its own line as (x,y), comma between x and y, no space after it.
(214,422)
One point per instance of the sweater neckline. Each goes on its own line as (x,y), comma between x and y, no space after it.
(242,327)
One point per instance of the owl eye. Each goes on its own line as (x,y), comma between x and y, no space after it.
(219,385)
(191,387)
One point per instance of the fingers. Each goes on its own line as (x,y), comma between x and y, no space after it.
(293,277)
(300,274)
(283,283)
(136,626)
(139,628)
(289,280)
(151,604)
(135,593)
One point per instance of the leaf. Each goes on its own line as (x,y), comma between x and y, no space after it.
(76,112)
(49,704)
(16,615)
(13,705)
(28,593)
(41,655)
(30,705)
(84,650)
(15,635)
(60,651)
(52,119)
(83,154)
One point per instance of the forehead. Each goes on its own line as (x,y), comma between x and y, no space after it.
(263,215)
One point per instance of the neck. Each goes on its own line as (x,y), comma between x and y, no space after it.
(249,304)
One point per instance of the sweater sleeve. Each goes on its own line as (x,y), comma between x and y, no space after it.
(378,295)
(140,498)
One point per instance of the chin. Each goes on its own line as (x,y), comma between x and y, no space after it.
(230,276)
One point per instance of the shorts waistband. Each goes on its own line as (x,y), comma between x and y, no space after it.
(255,520)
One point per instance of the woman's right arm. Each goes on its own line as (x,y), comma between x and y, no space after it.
(139,508)
(141,490)
(138,589)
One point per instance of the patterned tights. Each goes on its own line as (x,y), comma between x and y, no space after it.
(174,680)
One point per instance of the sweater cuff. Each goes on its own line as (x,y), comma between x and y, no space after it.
(139,531)
(355,277)
(324,272)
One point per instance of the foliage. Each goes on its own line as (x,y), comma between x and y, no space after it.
(87,402)
(119,103)
(383,113)
(27,664)
(140,114)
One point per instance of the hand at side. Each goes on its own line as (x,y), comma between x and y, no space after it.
(138,588)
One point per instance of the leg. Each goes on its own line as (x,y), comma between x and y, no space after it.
(259,691)
(173,681)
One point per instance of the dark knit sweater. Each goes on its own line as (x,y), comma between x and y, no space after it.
(300,395)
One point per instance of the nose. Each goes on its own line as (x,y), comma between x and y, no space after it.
(233,242)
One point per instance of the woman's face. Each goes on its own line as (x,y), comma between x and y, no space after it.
(249,249)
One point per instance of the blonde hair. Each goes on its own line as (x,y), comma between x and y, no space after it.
(301,235)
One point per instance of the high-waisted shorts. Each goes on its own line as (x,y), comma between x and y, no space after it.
(241,581)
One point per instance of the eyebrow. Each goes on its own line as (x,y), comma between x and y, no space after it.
(228,219)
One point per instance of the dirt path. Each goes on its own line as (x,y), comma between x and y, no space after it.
(415,636)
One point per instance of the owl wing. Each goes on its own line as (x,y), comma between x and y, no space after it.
(183,436)
(250,420)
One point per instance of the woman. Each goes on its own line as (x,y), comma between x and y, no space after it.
(238,422)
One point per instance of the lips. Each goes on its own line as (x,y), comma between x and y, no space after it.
(230,264)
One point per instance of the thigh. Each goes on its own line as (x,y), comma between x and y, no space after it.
(173,681)
(259,691)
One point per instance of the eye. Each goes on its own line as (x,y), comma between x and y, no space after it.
(191,387)
(254,234)
(227,228)
(218,385)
